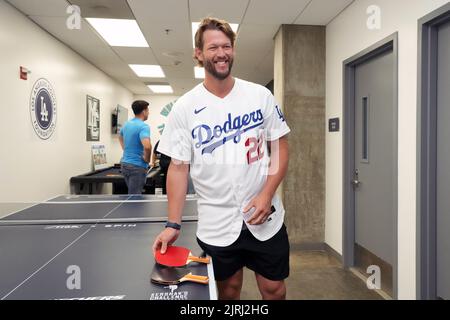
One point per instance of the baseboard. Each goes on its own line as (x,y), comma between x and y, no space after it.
(310,246)
(364,277)
(333,253)
(365,258)
(317,246)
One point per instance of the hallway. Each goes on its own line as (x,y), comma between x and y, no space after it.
(315,275)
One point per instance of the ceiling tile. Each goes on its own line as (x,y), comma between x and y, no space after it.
(321,12)
(136,55)
(116,9)
(230,10)
(47,8)
(57,27)
(265,12)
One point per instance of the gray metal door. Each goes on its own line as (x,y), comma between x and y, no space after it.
(443,164)
(374,165)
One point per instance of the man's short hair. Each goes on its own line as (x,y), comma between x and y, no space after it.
(212,24)
(139,106)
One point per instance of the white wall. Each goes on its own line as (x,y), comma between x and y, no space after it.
(32,169)
(157,103)
(346,36)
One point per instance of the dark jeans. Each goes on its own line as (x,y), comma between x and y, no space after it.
(135,178)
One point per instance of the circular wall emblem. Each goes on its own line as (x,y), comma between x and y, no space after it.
(43,109)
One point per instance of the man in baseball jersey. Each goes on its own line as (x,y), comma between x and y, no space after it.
(232,135)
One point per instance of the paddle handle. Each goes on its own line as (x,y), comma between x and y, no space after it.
(197,279)
(198,259)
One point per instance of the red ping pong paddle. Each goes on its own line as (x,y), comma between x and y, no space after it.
(170,276)
(177,257)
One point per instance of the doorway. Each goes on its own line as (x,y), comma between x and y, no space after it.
(433,156)
(370,162)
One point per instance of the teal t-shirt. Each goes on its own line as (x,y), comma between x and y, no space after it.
(133,132)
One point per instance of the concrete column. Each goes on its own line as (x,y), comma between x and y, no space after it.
(299,87)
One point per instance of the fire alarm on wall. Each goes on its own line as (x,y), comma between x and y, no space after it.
(24,73)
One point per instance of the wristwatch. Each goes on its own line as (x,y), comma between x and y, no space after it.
(173,225)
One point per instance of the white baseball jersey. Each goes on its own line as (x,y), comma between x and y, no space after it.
(225,141)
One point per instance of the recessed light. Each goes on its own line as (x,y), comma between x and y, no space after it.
(119,32)
(234,27)
(160,88)
(147,71)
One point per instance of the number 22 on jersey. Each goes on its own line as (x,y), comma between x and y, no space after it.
(256,149)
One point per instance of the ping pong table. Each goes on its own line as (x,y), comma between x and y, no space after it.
(94,248)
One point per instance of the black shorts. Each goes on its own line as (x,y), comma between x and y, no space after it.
(268,258)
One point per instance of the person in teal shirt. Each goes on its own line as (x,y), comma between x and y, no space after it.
(134,138)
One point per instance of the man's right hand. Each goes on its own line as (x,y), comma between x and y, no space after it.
(164,239)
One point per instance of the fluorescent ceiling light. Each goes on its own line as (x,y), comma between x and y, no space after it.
(199,72)
(119,32)
(160,88)
(234,27)
(147,71)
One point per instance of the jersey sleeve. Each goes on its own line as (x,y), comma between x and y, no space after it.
(145,132)
(275,125)
(175,140)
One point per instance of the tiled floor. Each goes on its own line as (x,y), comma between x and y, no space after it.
(315,275)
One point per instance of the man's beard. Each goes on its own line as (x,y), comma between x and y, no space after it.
(209,66)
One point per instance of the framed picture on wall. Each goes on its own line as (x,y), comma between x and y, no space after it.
(99,157)
(92,119)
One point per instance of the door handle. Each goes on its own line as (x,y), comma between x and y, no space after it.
(356,183)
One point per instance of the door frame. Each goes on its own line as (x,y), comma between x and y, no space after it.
(426,242)
(389,43)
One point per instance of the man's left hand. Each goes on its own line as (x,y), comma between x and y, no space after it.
(262,204)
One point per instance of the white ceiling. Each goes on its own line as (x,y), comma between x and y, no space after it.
(259,21)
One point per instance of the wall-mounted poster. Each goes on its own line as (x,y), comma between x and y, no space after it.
(99,157)
(165,112)
(167,108)
(43,109)
(92,119)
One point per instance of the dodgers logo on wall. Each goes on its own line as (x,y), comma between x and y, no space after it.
(43,109)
